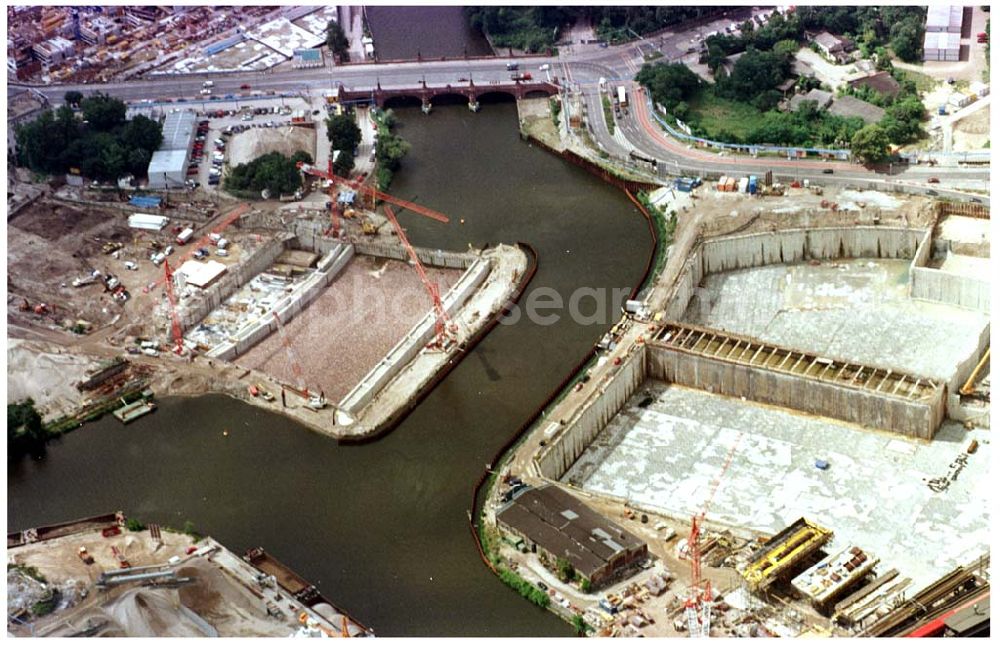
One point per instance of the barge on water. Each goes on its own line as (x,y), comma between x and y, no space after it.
(132,411)
(307,594)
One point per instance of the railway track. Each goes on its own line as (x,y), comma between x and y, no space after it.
(955,588)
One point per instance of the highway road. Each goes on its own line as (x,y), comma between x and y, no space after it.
(580,68)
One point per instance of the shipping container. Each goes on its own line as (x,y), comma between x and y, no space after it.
(184,236)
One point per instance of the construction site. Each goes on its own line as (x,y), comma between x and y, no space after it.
(794,418)
(109,576)
(216,296)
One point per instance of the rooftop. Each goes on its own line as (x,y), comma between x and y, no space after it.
(882,82)
(567,528)
(848,106)
(947,17)
(821,97)
(178,129)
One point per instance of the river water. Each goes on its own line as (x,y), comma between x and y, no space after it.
(382,528)
(431,32)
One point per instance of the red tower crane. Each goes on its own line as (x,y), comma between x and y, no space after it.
(698,606)
(368,190)
(168,279)
(443,325)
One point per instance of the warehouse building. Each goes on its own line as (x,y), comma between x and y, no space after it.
(944,18)
(168,166)
(942,46)
(558,526)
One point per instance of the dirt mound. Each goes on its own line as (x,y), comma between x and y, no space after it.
(255,142)
(145,612)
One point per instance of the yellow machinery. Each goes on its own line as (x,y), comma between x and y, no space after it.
(784,551)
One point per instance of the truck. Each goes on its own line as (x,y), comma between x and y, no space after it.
(622,97)
(521,76)
(184,236)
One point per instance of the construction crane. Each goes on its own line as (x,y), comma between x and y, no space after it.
(444,327)
(175,322)
(315,400)
(969,386)
(367,190)
(698,606)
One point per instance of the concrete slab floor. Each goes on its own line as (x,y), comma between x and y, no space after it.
(351,325)
(853,309)
(964,229)
(875,494)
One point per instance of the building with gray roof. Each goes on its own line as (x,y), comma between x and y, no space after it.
(168,166)
(558,526)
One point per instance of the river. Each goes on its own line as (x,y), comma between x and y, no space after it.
(382,528)
(430,32)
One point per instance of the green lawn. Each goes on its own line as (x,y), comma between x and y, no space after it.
(924,82)
(717,115)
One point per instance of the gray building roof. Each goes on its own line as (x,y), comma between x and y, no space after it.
(944,18)
(178,130)
(942,41)
(829,42)
(848,106)
(168,168)
(565,527)
(821,97)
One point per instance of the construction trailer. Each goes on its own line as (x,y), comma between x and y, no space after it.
(784,553)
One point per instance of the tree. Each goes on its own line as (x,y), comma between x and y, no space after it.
(343,164)
(907,41)
(143,133)
(871,144)
(73,98)
(564,569)
(786,47)
(25,432)
(103,112)
(584,585)
(273,171)
(336,39)
(580,625)
(669,84)
(390,150)
(343,133)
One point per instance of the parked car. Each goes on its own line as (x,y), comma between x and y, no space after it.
(245,86)
(933,180)
(828,171)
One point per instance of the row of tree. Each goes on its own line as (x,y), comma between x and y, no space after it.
(274,172)
(671,85)
(899,27)
(96,139)
(344,135)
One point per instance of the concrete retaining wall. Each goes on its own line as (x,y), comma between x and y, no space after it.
(792,246)
(437,258)
(964,369)
(916,419)
(577,434)
(937,285)
(216,294)
(415,340)
(288,307)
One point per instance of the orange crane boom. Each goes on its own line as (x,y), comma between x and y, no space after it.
(371,191)
(175,323)
(444,326)
(236,213)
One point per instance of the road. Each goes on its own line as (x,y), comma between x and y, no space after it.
(580,68)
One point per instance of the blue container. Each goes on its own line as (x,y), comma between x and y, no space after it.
(822,464)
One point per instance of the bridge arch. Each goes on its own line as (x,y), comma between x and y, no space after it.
(401,101)
(495,96)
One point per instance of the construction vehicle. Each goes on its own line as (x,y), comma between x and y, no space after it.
(85,556)
(110,247)
(369,228)
(119,556)
(444,327)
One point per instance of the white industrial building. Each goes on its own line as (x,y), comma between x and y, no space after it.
(944,18)
(942,46)
(168,166)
